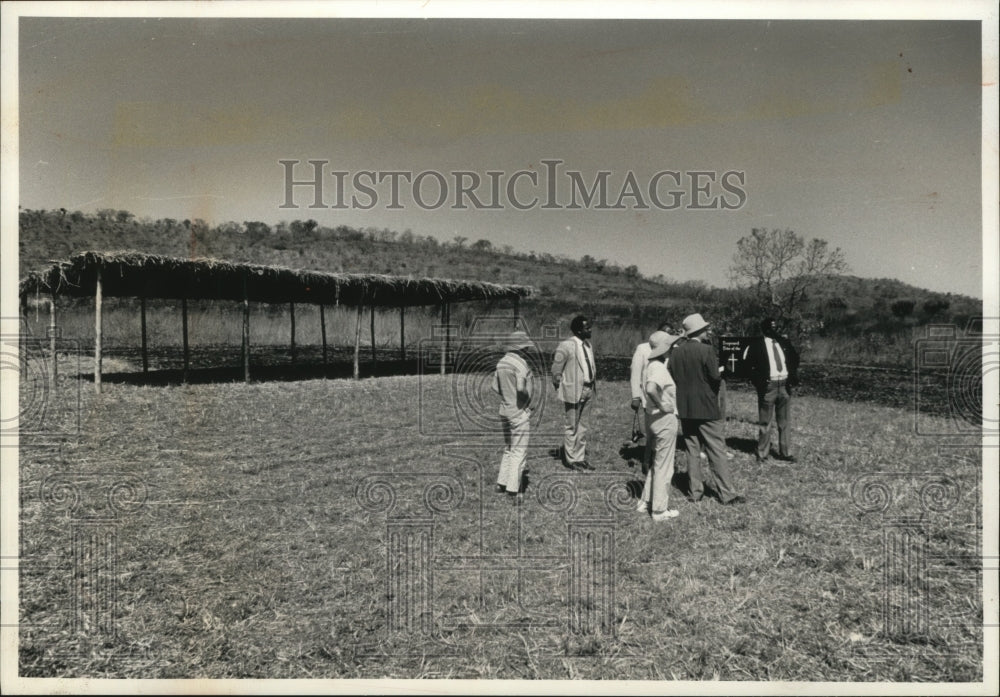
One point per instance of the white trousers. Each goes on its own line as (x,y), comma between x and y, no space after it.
(516,431)
(661,430)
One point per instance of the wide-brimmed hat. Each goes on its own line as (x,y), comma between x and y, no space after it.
(693,324)
(517,340)
(660,343)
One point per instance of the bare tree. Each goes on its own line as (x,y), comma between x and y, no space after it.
(778,267)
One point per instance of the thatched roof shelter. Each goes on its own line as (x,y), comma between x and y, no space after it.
(146,276)
(134,274)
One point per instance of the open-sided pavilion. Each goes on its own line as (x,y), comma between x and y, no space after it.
(147,276)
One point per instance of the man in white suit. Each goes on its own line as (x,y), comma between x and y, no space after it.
(574,375)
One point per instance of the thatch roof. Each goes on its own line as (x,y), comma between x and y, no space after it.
(134,274)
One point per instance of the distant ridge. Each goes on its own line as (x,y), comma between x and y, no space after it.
(847,304)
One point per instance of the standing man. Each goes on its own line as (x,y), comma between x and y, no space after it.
(661,428)
(513,383)
(574,375)
(695,370)
(637,382)
(773,365)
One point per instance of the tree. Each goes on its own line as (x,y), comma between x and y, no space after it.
(303,227)
(835,304)
(778,267)
(903,308)
(229,229)
(936,306)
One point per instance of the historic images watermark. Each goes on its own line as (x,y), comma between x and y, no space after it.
(80,572)
(48,406)
(931,529)
(548,188)
(963,356)
(460,563)
(94,504)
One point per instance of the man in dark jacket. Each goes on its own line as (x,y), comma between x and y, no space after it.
(695,370)
(773,365)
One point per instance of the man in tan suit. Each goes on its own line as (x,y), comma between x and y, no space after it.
(574,376)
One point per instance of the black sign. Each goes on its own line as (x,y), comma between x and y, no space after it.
(731,350)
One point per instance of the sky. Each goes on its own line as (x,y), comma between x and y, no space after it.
(864,133)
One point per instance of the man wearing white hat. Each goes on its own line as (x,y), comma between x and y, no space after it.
(695,370)
(512,382)
(661,427)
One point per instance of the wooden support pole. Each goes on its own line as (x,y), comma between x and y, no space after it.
(447,331)
(402,331)
(291,310)
(246,332)
(23,336)
(517,308)
(357,342)
(97,331)
(142,327)
(445,319)
(184,336)
(373,331)
(322,329)
(52,340)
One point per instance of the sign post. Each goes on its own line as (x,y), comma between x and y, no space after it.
(731,350)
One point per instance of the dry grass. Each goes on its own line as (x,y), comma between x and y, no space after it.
(251,556)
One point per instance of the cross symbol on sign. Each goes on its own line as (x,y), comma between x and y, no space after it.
(732,362)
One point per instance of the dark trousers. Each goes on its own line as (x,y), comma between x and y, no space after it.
(723,402)
(698,432)
(773,404)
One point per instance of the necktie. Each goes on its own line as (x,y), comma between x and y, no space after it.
(587,360)
(777,356)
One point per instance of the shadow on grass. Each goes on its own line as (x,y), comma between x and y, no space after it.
(632,453)
(557,454)
(743,445)
(681,482)
(260,373)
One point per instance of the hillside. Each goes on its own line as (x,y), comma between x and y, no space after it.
(838,305)
(46,235)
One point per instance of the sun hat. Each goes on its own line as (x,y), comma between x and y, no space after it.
(693,324)
(518,340)
(660,343)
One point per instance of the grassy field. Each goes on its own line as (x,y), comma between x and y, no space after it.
(341,529)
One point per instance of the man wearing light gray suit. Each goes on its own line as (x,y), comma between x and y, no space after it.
(574,376)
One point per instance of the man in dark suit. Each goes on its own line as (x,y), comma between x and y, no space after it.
(773,365)
(695,370)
